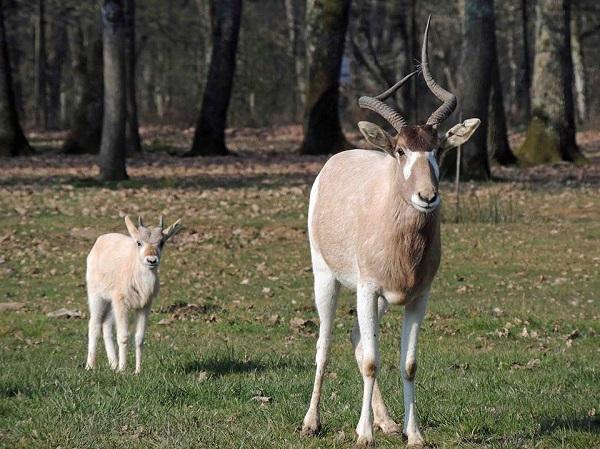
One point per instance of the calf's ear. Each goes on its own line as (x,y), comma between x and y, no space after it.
(172,230)
(133,231)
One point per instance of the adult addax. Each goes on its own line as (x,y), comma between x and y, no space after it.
(374,226)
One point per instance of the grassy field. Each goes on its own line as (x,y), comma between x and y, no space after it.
(510,349)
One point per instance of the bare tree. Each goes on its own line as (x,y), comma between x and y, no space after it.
(209,137)
(291,14)
(12,139)
(112,147)
(551,131)
(133,141)
(327,21)
(41,113)
(580,82)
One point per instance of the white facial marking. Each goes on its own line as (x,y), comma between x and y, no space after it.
(434,164)
(422,206)
(411,158)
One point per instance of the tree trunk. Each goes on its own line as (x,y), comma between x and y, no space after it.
(12,139)
(478,52)
(58,39)
(86,130)
(578,65)
(551,132)
(41,115)
(112,147)
(209,137)
(133,141)
(291,14)
(499,148)
(327,21)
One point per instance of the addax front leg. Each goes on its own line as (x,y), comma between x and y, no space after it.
(120,313)
(326,291)
(408,366)
(140,332)
(368,323)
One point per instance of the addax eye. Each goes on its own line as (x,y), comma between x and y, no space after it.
(139,244)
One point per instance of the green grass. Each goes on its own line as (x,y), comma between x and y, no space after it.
(513,285)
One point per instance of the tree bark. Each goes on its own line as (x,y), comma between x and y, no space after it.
(133,141)
(291,14)
(86,124)
(112,147)
(524,81)
(327,21)
(41,113)
(12,139)
(499,148)
(58,55)
(209,137)
(478,51)
(551,131)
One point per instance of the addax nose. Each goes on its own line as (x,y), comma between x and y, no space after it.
(151,260)
(428,196)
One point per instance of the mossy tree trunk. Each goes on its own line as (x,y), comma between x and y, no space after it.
(112,147)
(478,52)
(327,21)
(209,137)
(551,131)
(12,139)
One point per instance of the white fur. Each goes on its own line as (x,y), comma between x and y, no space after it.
(411,158)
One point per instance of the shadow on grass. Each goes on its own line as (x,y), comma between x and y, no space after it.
(224,364)
(589,424)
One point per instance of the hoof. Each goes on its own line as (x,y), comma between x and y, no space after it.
(311,429)
(363,442)
(416,442)
(388,427)
(88,367)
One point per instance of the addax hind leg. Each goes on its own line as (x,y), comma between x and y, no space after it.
(408,366)
(326,292)
(109,342)
(381,417)
(98,307)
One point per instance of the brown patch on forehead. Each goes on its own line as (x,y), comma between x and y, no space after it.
(418,138)
(150,235)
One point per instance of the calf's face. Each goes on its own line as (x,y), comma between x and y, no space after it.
(150,240)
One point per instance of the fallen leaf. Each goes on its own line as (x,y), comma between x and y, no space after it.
(65,313)
(5,306)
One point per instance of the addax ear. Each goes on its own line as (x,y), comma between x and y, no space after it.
(459,134)
(377,136)
(133,231)
(172,230)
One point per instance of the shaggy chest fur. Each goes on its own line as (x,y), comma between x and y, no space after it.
(403,257)
(143,289)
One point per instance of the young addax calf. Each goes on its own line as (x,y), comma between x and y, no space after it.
(374,226)
(122,274)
